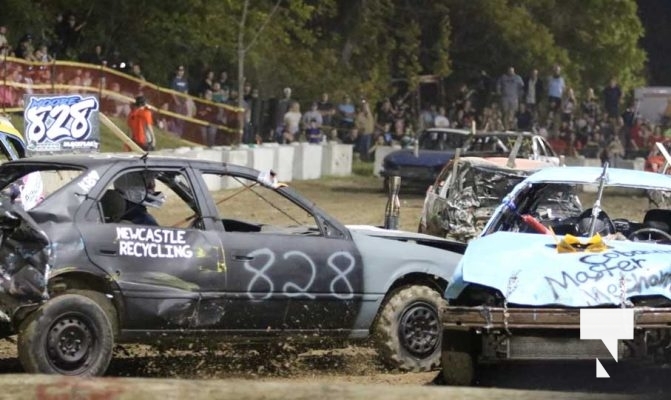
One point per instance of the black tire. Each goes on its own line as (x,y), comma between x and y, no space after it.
(82,329)
(458,363)
(408,330)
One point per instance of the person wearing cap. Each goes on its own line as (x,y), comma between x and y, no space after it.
(141,123)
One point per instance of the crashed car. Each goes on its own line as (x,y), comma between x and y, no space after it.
(419,166)
(468,190)
(147,249)
(542,257)
(436,147)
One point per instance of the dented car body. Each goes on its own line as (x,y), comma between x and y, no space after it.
(197,271)
(466,193)
(518,290)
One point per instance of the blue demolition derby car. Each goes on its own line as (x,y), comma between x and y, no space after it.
(518,290)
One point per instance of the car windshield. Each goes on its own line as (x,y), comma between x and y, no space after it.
(500,144)
(438,140)
(567,209)
(29,185)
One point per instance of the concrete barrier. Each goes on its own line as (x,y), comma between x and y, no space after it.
(307,161)
(284,162)
(380,153)
(337,159)
(238,156)
(261,158)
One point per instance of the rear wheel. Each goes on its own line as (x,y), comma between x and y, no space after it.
(68,335)
(408,330)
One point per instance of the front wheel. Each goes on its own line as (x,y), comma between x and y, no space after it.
(68,335)
(408,330)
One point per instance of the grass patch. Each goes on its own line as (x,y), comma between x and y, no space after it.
(362,168)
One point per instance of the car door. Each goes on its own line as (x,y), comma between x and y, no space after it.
(284,269)
(156,267)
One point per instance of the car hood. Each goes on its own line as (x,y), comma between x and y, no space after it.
(527,270)
(406,236)
(24,258)
(424,158)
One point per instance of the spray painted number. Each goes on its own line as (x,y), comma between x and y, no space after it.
(261,286)
(57,120)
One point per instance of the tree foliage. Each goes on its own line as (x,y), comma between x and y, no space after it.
(356,46)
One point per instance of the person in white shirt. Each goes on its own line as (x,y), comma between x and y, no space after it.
(441,120)
(292,119)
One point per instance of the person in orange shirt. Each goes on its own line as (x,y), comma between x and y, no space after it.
(141,123)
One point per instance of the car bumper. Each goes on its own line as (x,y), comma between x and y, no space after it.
(479,318)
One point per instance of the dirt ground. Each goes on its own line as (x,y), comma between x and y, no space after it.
(357,200)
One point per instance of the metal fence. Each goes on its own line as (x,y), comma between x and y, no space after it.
(183,115)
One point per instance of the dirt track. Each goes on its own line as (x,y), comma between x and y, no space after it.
(323,373)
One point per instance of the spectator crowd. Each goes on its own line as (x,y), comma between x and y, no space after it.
(593,123)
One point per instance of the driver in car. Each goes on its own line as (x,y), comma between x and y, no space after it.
(139,191)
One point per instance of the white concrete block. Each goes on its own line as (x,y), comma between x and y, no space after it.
(380,153)
(213,183)
(307,161)
(284,163)
(237,157)
(337,159)
(261,158)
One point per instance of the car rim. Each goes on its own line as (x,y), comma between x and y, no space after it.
(419,329)
(70,344)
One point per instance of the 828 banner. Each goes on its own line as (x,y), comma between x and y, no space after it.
(61,123)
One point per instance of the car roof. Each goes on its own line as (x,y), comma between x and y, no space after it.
(95,160)
(521,164)
(449,130)
(589,175)
(506,134)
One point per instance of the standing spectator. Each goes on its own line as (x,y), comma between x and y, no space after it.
(524,118)
(534,88)
(223,80)
(69,34)
(590,107)
(483,90)
(283,107)
(208,113)
(313,115)
(292,120)
(136,71)
(327,110)
(179,82)
(385,113)
(181,86)
(346,114)
(25,48)
(313,133)
(141,124)
(510,87)
(556,86)
(256,119)
(441,120)
(4,43)
(206,83)
(611,99)
(94,56)
(247,91)
(42,54)
(427,116)
(365,125)
(568,106)
(218,93)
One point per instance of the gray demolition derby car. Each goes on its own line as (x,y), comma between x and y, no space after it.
(467,191)
(519,289)
(87,266)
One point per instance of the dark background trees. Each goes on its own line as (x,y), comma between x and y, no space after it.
(361,46)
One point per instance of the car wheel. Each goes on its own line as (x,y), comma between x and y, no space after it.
(458,364)
(408,330)
(68,335)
